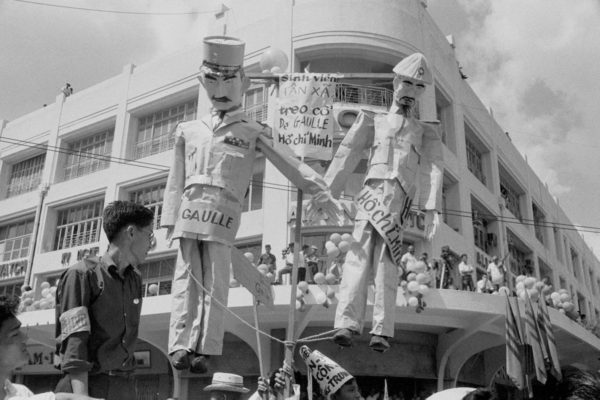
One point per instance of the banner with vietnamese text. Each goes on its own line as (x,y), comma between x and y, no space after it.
(304,116)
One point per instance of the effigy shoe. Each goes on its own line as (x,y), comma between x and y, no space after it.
(199,364)
(379,344)
(343,337)
(180,359)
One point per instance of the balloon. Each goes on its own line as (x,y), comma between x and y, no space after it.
(561,291)
(45,285)
(546,289)
(299,294)
(28,301)
(333,253)
(320,298)
(344,246)
(555,296)
(346,237)
(529,282)
(533,294)
(43,304)
(330,293)
(523,295)
(539,285)
(331,278)
(249,256)
(520,286)
(423,278)
(53,289)
(411,277)
(45,292)
(565,297)
(330,245)
(303,286)
(270,276)
(320,278)
(298,305)
(274,60)
(560,310)
(153,289)
(503,290)
(36,305)
(413,286)
(404,284)
(336,238)
(568,306)
(233,283)
(263,268)
(413,301)
(556,302)
(28,293)
(521,278)
(423,289)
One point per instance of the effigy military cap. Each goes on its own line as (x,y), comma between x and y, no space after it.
(414,67)
(223,53)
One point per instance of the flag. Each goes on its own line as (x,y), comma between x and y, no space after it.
(385,391)
(532,337)
(547,334)
(514,344)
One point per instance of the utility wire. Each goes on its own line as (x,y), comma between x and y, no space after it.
(115,11)
(286,188)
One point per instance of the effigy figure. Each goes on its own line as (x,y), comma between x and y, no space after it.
(404,167)
(212,168)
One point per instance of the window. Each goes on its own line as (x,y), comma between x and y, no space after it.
(254,194)
(511,196)
(539,223)
(88,155)
(451,203)
(15,240)
(152,198)
(557,243)
(12,289)
(443,109)
(575,263)
(156,131)
(256,103)
(79,225)
(475,161)
(159,272)
(518,261)
(26,175)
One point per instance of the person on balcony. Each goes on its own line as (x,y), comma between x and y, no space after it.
(212,168)
(466,273)
(405,165)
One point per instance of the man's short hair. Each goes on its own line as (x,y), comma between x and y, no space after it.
(119,214)
(8,307)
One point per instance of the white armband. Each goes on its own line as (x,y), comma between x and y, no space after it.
(73,321)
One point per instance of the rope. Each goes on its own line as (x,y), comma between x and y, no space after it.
(287,343)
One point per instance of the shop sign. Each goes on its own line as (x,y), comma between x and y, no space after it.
(13,269)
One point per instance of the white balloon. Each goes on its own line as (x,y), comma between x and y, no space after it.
(45,285)
(331,278)
(565,297)
(411,277)
(320,278)
(419,266)
(333,252)
(249,256)
(346,237)
(404,284)
(330,245)
(423,289)
(45,292)
(520,286)
(503,290)
(336,238)
(533,294)
(344,246)
(521,278)
(529,282)
(555,296)
(423,278)
(263,268)
(413,301)
(233,283)
(299,294)
(320,298)
(270,276)
(303,286)
(413,286)
(330,293)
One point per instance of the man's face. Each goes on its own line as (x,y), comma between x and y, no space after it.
(348,392)
(268,249)
(224,395)
(142,242)
(411,249)
(407,91)
(13,351)
(225,90)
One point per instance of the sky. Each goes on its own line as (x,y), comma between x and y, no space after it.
(535,63)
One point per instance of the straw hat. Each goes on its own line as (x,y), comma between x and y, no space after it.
(227,383)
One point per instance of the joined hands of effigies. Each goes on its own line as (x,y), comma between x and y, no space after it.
(323,205)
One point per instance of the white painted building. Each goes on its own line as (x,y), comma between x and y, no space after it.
(62,163)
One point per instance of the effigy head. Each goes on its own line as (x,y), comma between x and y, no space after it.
(411,76)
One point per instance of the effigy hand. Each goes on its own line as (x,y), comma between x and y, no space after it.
(324,206)
(432,221)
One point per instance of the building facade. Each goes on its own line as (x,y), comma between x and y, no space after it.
(59,166)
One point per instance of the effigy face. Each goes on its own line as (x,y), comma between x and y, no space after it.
(407,91)
(225,90)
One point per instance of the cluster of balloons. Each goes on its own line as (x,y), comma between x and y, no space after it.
(46,302)
(530,286)
(324,296)
(417,284)
(263,268)
(563,301)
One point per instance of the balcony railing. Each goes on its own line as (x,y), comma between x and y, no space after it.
(358,94)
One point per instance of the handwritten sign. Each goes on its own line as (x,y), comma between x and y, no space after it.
(304,117)
(251,278)
(213,220)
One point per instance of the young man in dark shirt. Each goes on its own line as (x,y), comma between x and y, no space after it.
(268,259)
(98,305)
